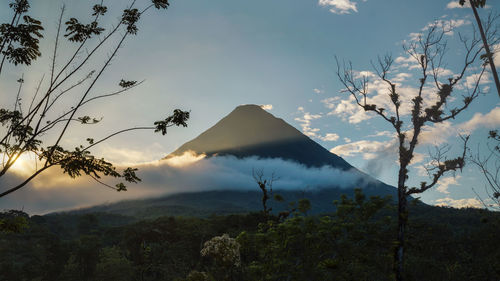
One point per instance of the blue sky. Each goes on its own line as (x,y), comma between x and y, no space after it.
(211,56)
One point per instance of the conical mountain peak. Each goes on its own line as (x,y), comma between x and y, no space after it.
(250,130)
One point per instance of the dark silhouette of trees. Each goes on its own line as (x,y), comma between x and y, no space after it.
(427,51)
(39,126)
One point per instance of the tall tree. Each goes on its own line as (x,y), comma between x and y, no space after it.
(474,4)
(432,103)
(39,126)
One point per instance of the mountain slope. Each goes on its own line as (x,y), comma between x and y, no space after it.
(223,202)
(251,131)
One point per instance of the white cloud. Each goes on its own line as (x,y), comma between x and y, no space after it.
(364,74)
(267,106)
(348,140)
(53,190)
(330,137)
(488,120)
(445,182)
(367,148)
(339,6)
(443,72)
(472,79)
(439,133)
(188,158)
(447,25)
(417,158)
(305,123)
(402,76)
(421,171)
(496,55)
(415,36)
(459,203)
(455,5)
(347,109)
(318,91)
(383,134)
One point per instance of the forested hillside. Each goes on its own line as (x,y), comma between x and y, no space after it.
(353,243)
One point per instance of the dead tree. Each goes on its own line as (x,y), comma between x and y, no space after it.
(266,186)
(408,116)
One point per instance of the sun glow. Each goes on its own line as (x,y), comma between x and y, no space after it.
(188,158)
(25,165)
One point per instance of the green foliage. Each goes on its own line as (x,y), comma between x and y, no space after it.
(113,265)
(13,221)
(161,4)
(334,247)
(199,276)
(130,17)
(19,43)
(78,32)
(127,84)
(353,243)
(179,118)
(495,137)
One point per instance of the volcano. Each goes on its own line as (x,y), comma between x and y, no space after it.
(250,131)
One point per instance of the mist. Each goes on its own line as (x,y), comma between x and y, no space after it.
(55,191)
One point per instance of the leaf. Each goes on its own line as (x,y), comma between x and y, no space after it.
(126,84)
(160,4)
(99,10)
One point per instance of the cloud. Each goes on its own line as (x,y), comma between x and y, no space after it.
(471,80)
(459,203)
(444,72)
(365,147)
(447,25)
(267,106)
(348,140)
(318,91)
(417,158)
(383,134)
(56,191)
(339,6)
(455,5)
(346,109)
(401,77)
(488,120)
(188,158)
(496,55)
(439,133)
(305,123)
(330,137)
(445,182)
(127,156)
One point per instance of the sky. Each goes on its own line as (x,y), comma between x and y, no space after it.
(211,56)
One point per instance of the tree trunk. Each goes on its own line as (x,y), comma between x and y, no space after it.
(402,222)
(486,47)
